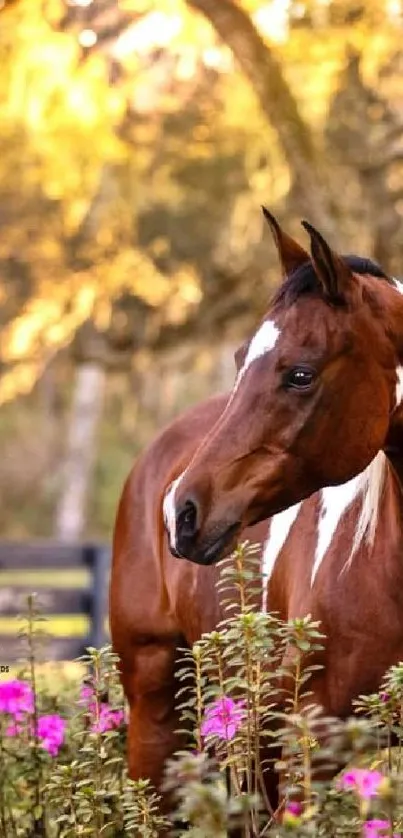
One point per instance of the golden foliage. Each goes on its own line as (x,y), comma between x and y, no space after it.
(79,165)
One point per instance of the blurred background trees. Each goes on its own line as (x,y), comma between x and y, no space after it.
(138,139)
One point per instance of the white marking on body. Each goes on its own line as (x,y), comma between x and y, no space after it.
(280,528)
(336,500)
(169,511)
(398,285)
(399,385)
(373,481)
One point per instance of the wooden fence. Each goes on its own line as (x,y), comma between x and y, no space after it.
(89,600)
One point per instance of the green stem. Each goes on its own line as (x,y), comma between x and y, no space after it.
(72,804)
(259,778)
(3,811)
(295,710)
(249,735)
(389,749)
(297,680)
(197,657)
(99,763)
(241,580)
(307,769)
(39,823)
(400,738)
(230,749)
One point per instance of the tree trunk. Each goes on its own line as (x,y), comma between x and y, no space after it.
(86,414)
(261,67)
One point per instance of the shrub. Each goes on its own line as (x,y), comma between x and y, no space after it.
(243,695)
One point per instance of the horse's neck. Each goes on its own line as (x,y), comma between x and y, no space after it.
(394,475)
(394,455)
(370,506)
(388,542)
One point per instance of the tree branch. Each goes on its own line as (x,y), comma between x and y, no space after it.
(261,67)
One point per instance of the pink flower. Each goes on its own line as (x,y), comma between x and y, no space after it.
(87,695)
(223,718)
(377,828)
(294,808)
(16,698)
(51,730)
(292,813)
(108,719)
(14,729)
(365,782)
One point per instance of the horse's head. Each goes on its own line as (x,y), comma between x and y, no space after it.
(313,402)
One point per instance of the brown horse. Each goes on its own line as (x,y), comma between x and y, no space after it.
(317,396)
(158,604)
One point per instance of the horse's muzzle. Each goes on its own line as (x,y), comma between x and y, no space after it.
(207,550)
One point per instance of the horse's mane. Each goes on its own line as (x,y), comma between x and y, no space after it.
(304,280)
(371,483)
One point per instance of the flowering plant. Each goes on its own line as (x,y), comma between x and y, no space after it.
(363,781)
(223,718)
(63,757)
(378,829)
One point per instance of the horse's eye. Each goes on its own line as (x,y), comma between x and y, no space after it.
(299,378)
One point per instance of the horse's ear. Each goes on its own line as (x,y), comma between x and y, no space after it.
(333,273)
(292,255)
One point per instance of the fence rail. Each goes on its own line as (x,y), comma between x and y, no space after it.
(89,600)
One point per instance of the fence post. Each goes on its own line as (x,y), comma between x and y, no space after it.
(99,557)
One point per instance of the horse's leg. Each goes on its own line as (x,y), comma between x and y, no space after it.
(150,686)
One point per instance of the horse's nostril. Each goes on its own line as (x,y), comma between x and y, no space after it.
(186,521)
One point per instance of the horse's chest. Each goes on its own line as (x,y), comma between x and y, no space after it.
(194,600)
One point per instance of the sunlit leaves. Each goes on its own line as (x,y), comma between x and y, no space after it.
(99,167)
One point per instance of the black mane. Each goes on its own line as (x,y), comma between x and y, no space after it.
(304,279)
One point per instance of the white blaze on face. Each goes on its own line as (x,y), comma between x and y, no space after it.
(398,285)
(169,510)
(263,342)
